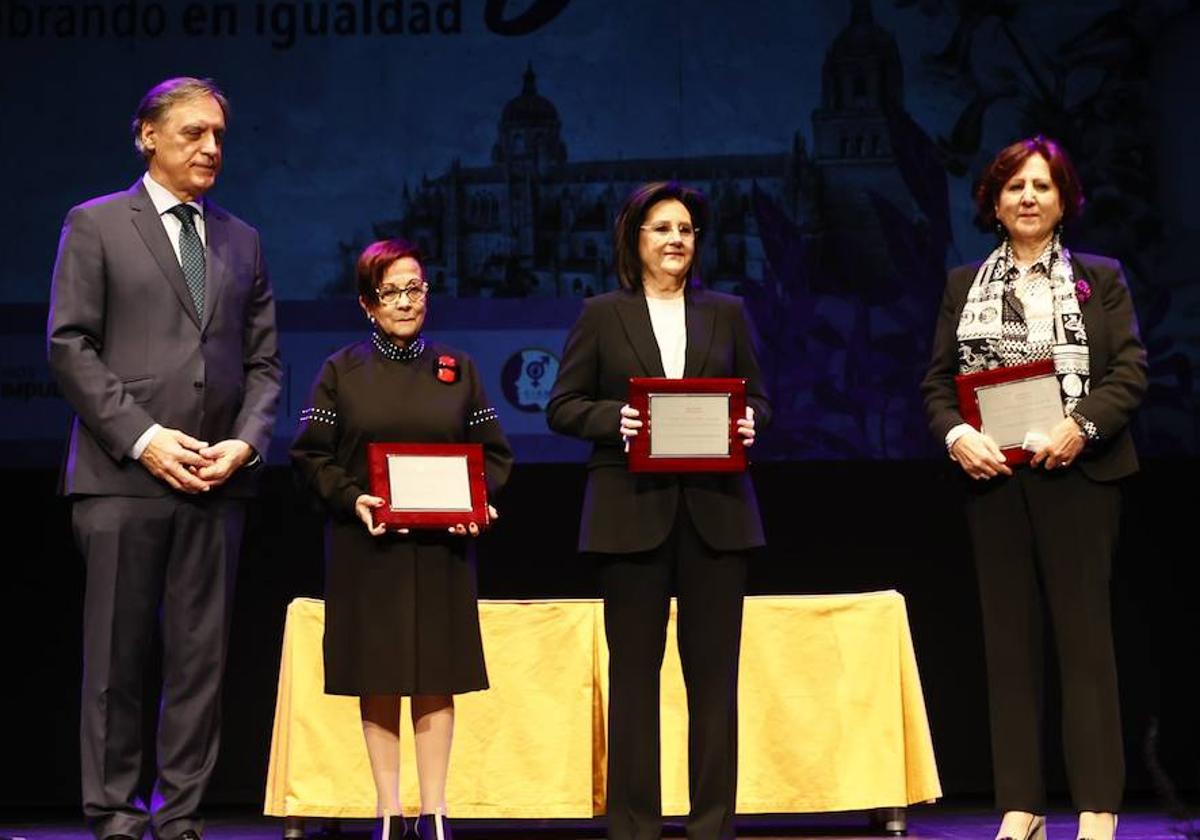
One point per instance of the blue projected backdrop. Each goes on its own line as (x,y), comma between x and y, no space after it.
(837,140)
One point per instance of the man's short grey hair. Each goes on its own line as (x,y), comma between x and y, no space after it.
(165,95)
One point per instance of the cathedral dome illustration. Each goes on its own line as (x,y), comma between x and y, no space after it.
(530,131)
(529,106)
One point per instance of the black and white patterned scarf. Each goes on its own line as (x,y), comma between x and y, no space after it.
(995,331)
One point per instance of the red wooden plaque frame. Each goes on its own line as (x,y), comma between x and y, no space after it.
(640,460)
(968,402)
(377,459)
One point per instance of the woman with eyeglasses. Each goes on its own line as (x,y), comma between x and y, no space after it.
(657,535)
(401,617)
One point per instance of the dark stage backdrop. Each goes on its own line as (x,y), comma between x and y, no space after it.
(837,140)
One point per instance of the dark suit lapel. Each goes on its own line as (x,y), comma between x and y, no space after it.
(216,263)
(1094,322)
(635,318)
(699,316)
(150,227)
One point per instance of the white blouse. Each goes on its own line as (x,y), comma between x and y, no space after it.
(670,331)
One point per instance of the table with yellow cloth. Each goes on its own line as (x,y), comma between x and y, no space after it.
(831,716)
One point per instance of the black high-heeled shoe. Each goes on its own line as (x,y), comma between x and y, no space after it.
(390,827)
(433,827)
(1036,830)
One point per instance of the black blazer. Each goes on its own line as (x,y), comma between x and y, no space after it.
(1118,364)
(128,350)
(613,341)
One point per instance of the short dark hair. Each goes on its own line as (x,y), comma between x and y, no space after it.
(165,95)
(1011,158)
(633,214)
(374,262)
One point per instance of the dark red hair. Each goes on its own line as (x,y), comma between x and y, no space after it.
(1006,164)
(374,262)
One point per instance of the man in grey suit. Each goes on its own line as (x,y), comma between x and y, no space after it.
(162,337)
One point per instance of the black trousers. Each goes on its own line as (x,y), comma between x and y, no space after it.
(637,589)
(1047,538)
(172,560)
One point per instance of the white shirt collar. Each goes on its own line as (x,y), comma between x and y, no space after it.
(163,200)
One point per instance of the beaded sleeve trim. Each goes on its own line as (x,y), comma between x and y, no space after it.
(318,415)
(483,415)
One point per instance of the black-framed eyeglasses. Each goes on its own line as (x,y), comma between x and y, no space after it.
(392,294)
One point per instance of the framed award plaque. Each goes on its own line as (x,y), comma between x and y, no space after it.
(428,485)
(1007,403)
(688,425)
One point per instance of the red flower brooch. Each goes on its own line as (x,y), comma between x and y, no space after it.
(445,368)
(1083,290)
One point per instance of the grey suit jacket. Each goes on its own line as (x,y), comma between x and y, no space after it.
(128,349)
(612,341)
(1116,356)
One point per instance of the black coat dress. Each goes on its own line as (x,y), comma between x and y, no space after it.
(400,610)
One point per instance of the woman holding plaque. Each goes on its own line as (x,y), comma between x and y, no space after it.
(400,606)
(654,535)
(1043,533)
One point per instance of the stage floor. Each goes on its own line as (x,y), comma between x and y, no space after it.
(932,822)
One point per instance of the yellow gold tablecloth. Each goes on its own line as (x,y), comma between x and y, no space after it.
(831,716)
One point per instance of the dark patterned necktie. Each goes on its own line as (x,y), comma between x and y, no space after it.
(191,254)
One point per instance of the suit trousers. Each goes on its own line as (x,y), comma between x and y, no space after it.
(1046,539)
(171,559)
(637,589)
